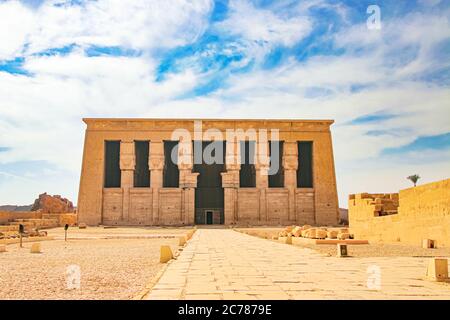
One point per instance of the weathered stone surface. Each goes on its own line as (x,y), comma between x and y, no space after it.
(297,231)
(437,269)
(35,248)
(166,254)
(332,234)
(176,206)
(343,236)
(52,204)
(321,234)
(413,214)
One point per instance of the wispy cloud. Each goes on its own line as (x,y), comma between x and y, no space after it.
(387,89)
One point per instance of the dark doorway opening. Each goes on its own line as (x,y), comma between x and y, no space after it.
(305,163)
(142,171)
(112,164)
(171,173)
(209,194)
(247,174)
(209,217)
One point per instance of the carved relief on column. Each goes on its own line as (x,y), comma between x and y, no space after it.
(290,165)
(156,163)
(156,166)
(188,181)
(262,164)
(230,181)
(127,166)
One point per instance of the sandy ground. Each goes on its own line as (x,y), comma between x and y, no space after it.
(117,232)
(370,250)
(110,268)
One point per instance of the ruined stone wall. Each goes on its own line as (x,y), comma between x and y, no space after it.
(423,212)
(62,218)
(175,206)
(9,216)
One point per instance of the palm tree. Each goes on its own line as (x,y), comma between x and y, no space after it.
(414,178)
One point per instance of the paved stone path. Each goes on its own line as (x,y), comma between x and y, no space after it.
(225,264)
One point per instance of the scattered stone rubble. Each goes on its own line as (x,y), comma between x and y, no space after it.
(12,232)
(310,232)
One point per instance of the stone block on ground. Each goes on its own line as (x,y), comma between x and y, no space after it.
(311,233)
(438,269)
(82,226)
(2,248)
(286,240)
(166,254)
(282,234)
(297,231)
(321,234)
(35,248)
(289,228)
(332,234)
(343,236)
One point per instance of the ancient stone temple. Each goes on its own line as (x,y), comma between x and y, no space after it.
(185,172)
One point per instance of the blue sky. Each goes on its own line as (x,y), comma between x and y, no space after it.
(387,89)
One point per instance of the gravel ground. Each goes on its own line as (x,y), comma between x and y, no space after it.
(370,250)
(110,269)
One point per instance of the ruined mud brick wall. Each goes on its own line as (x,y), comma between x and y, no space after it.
(158,205)
(423,212)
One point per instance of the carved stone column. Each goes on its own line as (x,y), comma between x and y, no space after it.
(127,166)
(290,165)
(188,181)
(156,166)
(262,163)
(230,182)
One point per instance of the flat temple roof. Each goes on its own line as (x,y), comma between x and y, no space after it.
(86,120)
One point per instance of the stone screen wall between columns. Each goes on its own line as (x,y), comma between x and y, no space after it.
(112,178)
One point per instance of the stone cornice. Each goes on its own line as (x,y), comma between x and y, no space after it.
(137,124)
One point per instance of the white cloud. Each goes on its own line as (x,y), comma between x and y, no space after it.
(263,29)
(142,25)
(16,21)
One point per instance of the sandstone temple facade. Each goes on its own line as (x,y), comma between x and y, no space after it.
(159,172)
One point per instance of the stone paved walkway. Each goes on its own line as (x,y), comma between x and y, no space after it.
(225,264)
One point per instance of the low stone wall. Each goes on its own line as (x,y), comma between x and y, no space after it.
(9,216)
(63,218)
(423,212)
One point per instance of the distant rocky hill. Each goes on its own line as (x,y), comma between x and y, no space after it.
(45,203)
(15,208)
(52,204)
